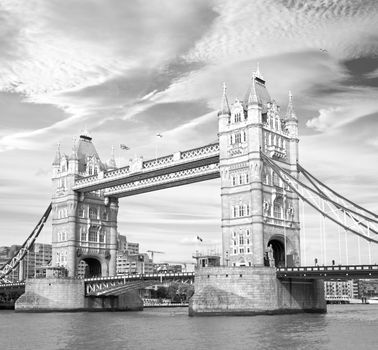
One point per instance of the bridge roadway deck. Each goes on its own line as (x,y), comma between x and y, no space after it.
(302,272)
(333,272)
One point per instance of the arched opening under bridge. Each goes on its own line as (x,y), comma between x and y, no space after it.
(92,267)
(278,251)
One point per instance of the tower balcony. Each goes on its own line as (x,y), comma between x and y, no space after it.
(276,151)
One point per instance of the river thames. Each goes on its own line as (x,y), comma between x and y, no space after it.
(343,327)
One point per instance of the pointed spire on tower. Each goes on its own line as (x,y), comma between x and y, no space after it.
(74,149)
(85,134)
(112,163)
(257,72)
(225,108)
(290,114)
(57,155)
(253,98)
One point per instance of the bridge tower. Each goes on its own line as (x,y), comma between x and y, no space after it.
(258,213)
(84,226)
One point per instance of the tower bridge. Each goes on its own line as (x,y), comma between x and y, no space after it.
(256,159)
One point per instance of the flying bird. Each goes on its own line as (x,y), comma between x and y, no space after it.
(122,146)
(159,135)
(323,50)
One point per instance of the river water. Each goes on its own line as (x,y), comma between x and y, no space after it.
(343,327)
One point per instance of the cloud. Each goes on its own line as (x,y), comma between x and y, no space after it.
(356,105)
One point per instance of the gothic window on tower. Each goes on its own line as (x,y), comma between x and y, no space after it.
(83,234)
(92,234)
(277,208)
(238,117)
(90,170)
(234,211)
(238,137)
(241,240)
(233,180)
(241,210)
(92,213)
(102,236)
(81,212)
(246,178)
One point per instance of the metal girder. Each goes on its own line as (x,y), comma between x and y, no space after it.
(171,179)
(12,263)
(332,208)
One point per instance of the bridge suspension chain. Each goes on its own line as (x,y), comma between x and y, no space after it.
(336,197)
(350,219)
(12,263)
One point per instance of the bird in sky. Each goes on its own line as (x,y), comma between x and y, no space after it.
(122,146)
(323,50)
(159,135)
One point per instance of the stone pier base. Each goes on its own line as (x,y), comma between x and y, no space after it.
(253,291)
(65,294)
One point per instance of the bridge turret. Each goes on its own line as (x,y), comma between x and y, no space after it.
(224,113)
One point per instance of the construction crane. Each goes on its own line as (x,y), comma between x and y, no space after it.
(153,252)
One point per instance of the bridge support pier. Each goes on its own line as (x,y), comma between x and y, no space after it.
(67,294)
(253,291)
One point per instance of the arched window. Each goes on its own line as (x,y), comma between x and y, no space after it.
(93,213)
(240,179)
(246,178)
(233,180)
(92,234)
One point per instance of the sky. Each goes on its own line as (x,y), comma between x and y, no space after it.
(127,70)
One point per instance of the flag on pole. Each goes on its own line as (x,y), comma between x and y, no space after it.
(122,146)
(199,238)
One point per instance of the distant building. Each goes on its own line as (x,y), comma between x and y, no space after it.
(340,290)
(38,256)
(167,268)
(133,263)
(125,246)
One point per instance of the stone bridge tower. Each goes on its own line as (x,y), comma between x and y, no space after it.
(258,212)
(84,226)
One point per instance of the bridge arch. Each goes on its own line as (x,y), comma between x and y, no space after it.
(278,245)
(91,267)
